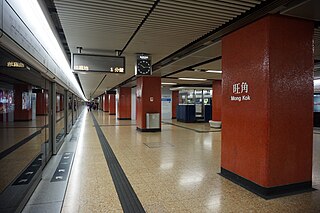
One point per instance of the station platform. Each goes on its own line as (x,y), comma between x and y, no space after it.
(116,168)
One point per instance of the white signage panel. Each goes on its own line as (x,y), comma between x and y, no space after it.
(166,105)
(15,28)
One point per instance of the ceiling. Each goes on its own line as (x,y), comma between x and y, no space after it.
(182,36)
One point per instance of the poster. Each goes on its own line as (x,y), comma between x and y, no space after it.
(6,100)
(26,100)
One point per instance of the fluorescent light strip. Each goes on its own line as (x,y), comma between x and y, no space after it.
(214,71)
(193,79)
(31,13)
(168,83)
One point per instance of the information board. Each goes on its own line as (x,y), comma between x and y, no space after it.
(98,63)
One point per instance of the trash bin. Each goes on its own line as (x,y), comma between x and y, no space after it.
(153,120)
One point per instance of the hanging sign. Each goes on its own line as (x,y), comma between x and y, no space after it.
(98,63)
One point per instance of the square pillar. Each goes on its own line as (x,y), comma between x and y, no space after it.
(175,102)
(124,103)
(216,103)
(148,93)
(267,99)
(42,103)
(112,104)
(105,103)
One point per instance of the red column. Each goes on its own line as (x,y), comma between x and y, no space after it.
(42,103)
(148,99)
(267,97)
(112,104)
(216,100)
(175,102)
(105,103)
(22,101)
(124,103)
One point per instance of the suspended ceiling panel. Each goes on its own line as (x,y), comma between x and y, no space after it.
(91,81)
(215,65)
(174,24)
(98,25)
(196,74)
(308,10)
(208,53)
(184,82)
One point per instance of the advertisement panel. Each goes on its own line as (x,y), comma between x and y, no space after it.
(6,100)
(26,100)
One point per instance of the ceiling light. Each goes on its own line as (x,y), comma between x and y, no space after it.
(193,79)
(214,71)
(168,83)
(31,13)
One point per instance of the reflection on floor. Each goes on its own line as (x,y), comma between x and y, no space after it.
(197,127)
(180,177)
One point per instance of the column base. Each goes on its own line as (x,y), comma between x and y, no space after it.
(149,130)
(264,192)
(124,118)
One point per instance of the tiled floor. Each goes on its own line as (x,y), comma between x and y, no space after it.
(177,174)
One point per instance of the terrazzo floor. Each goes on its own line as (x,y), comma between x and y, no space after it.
(177,172)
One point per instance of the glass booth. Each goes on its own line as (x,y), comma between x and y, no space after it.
(194,105)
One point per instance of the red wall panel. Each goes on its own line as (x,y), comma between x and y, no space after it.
(124,103)
(216,100)
(175,102)
(148,88)
(105,100)
(112,104)
(42,104)
(259,141)
(291,102)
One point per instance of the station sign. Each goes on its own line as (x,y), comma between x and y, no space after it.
(15,64)
(240,92)
(98,63)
